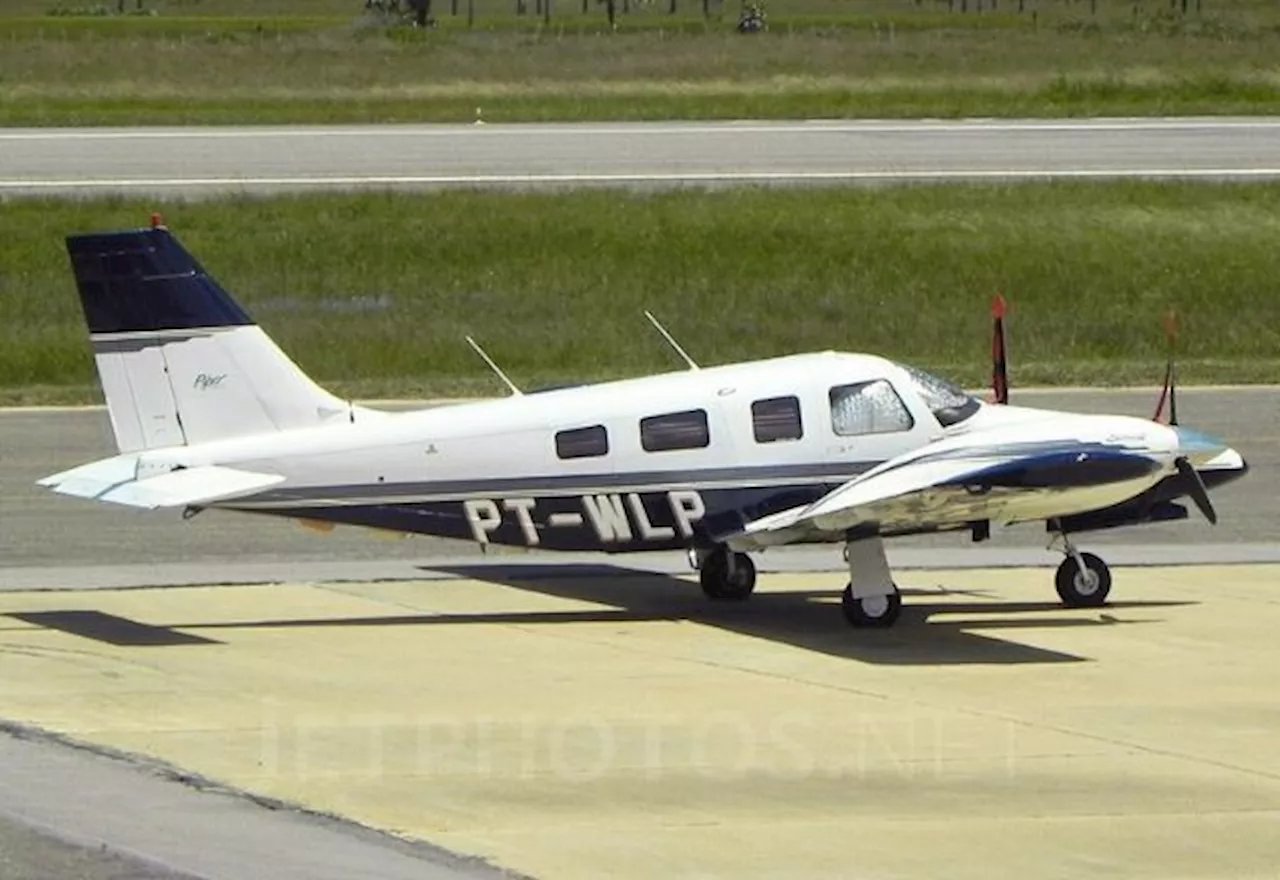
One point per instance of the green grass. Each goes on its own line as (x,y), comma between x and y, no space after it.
(637,101)
(323,62)
(374,293)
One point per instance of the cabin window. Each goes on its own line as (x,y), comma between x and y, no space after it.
(583,442)
(680,430)
(868,408)
(777,418)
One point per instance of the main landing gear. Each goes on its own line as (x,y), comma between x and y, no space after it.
(1083,579)
(726,575)
(871,600)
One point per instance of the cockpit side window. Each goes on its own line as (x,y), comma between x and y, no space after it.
(868,408)
(950,405)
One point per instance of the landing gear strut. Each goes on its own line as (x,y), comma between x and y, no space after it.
(726,575)
(1083,579)
(871,599)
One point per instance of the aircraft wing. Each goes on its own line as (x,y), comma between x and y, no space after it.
(950,485)
(115,480)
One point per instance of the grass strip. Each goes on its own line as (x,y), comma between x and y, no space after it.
(1065,97)
(811,64)
(374,292)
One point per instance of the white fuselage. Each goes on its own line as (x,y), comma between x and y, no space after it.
(497,467)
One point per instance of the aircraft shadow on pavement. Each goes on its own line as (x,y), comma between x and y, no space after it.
(110,629)
(926,634)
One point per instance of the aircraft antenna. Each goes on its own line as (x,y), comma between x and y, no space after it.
(670,340)
(496,369)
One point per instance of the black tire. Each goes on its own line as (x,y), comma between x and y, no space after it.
(873,612)
(719,585)
(1088,589)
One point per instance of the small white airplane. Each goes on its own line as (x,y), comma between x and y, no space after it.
(826,447)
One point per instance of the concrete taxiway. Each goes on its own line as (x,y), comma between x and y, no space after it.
(196,161)
(566,723)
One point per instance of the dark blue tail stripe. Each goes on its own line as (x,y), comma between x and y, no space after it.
(145,280)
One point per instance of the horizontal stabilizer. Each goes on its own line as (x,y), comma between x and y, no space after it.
(91,480)
(112,480)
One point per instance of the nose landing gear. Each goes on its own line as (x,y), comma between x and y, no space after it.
(1083,580)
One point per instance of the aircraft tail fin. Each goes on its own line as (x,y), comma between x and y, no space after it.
(180,361)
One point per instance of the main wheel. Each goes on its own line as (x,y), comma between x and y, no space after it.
(1083,588)
(871,611)
(718,582)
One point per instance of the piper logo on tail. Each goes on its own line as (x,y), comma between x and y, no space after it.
(205,381)
(614,517)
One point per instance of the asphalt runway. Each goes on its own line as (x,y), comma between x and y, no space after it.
(25,852)
(202,161)
(85,811)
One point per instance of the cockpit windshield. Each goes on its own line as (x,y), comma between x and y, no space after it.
(950,405)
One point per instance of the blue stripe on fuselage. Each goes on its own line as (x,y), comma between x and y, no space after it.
(1064,470)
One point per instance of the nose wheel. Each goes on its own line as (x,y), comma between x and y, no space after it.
(1083,579)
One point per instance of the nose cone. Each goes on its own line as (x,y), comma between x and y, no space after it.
(1192,442)
(1210,455)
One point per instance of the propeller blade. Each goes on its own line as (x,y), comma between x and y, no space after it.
(999,354)
(1170,391)
(1164,393)
(1195,488)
